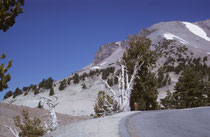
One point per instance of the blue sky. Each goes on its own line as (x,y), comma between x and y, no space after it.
(58,37)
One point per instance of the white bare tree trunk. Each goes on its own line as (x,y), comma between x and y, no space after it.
(53,121)
(14,132)
(125,86)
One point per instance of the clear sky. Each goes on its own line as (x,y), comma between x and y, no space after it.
(58,37)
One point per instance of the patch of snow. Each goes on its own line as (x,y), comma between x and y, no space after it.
(208,53)
(103,63)
(96,67)
(118,43)
(170,36)
(196,30)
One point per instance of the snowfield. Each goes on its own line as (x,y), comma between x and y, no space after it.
(170,36)
(99,127)
(196,30)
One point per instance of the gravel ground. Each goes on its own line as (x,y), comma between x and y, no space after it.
(9,111)
(99,127)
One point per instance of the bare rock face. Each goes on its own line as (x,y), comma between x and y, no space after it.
(105,51)
(145,32)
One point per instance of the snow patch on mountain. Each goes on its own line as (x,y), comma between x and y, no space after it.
(103,63)
(96,67)
(196,30)
(118,43)
(170,36)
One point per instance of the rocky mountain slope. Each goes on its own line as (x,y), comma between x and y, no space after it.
(178,43)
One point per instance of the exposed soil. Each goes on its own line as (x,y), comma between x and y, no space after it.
(9,111)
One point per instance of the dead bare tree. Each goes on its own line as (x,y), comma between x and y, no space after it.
(125,86)
(14,132)
(53,121)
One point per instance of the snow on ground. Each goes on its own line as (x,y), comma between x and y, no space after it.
(103,63)
(99,127)
(118,43)
(196,30)
(170,36)
(96,67)
(208,53)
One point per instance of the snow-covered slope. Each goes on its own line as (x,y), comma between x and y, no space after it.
(77,101)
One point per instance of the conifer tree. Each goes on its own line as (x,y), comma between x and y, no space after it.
(62,85)
(9,9)
(51,92)
(76,78)
(17,92)
(145,88)
(8,94)
(190,90)
(4,76)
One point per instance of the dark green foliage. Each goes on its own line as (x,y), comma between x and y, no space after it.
(115,80)
(9,9)
(110,81)
(36,91)
(145,89)
(46,84)
(32,87)
(17,92)
(76,78)
(107,71)
(25,88)
(62,85)
(51,92)
(8,94)
(168,101)
(190,91)
(84,86)
(4,76)
(145,92)
(83,76)
(25,93)
(40,105)
(205,59)
(69,81)
(105,105)
(29,128)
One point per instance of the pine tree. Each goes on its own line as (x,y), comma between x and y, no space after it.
(145,92)
(76,78)
(105,105)
(115,80)
(40,105)
(9,10)
(51,92)
(4,78)
(110,81)
(145,88)
(36,91)
(84,86)
(8,94)
(17,92)
(62,85)
(168,101)
(189,90)
(29,128)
